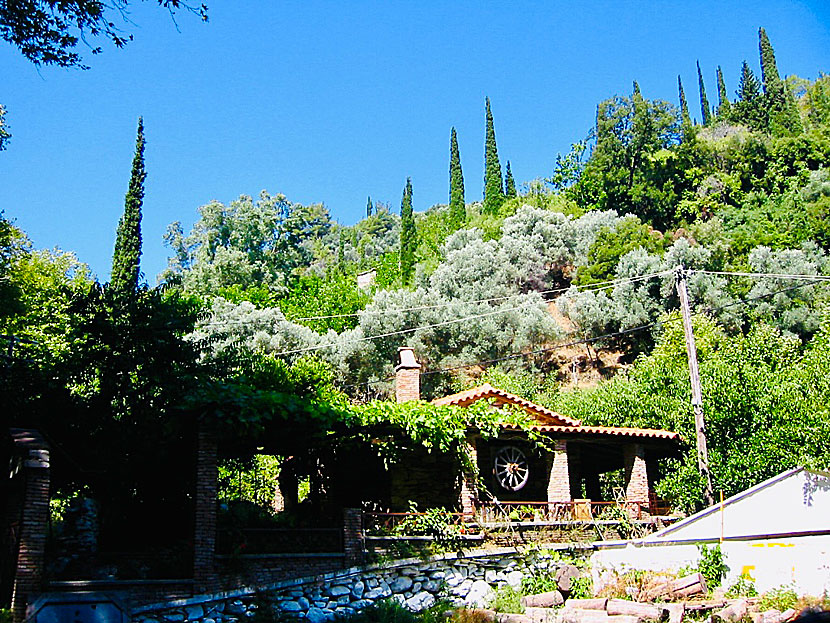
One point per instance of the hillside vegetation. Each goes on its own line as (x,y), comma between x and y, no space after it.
(259,319)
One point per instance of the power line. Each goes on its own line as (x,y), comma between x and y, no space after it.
(771,275)
(589,340)
(403,331)
(601,285)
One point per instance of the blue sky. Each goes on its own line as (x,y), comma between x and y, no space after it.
(334,101)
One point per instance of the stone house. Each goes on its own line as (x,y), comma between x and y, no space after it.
(514,471)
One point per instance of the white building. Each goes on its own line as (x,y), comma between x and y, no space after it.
(776,533)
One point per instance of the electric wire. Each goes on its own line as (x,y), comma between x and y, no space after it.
(601,285)
(588,340)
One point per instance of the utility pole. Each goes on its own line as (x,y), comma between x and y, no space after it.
(697,395)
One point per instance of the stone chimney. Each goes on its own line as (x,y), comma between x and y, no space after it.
(407,376)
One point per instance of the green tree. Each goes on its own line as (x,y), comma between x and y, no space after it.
(783,114)
(705,110)
(368,207)
(127,256)
(623,173)
(493,193)
(458,210)
(749,108)
(724,108)
(684,107)
(509,183)
(5,135)
(47,32)
(409,236)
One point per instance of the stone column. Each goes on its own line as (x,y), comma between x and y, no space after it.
(353,536)
(636,477)
(204,537)
(33,461)
(468,495)
(559,481)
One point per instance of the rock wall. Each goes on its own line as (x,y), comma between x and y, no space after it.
(416,584)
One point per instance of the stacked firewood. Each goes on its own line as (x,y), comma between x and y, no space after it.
(662,600)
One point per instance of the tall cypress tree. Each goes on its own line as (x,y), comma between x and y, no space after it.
(705,111)
(509,183)
(724,107)
(409,237)
(684,107)
(493,195)
(458,211)
(368,207)
(769,69)
(127,255)
(783,113)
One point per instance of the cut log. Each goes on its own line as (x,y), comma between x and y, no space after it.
(711,604)
(585,616)
(787,615)
(772,616)
(543,600)
(675,612)
(733,613)
(641,611)
(509,617)
(565,576)
(542,615)
(586,604)
(689,585)
(655,588)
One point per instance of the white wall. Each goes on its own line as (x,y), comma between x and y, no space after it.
(794,502)
(802,561)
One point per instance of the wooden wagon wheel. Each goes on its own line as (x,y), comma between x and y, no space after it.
(512,469)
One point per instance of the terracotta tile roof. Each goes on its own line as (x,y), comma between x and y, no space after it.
(616,431)
(544,416)
(548,421)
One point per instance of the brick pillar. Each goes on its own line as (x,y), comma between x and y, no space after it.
(407,376)
(353,536)
(559,482)
(468,495)
(636,476)
(33,454)
(204,537)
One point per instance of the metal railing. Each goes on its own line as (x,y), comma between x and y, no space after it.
(561,512)
(390,523)
(280,540)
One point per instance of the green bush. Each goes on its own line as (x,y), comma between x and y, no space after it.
(781,598)
(712,565)
(506,599)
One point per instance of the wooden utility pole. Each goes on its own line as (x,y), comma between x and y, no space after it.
(697,395)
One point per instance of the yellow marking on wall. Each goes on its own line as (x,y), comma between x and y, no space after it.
(746,572)
(772,544)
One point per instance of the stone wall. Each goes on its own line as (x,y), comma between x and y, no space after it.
(416,584)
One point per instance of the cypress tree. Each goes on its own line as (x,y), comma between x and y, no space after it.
(684,107)
(127,255)
(705,111)
(458,211)
(509,183)
(783,113)
(724,107)
(769,70)
(368,207)
(409,237)
(493,195)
